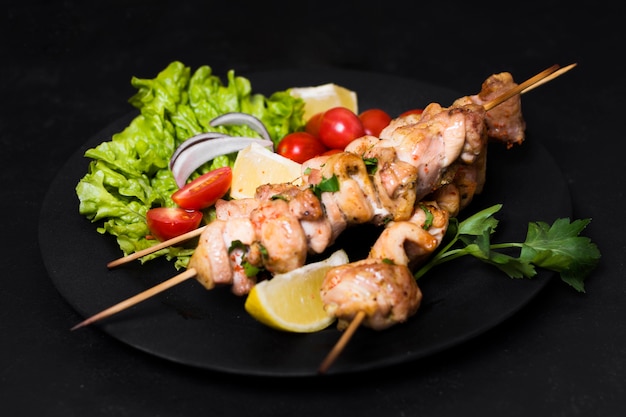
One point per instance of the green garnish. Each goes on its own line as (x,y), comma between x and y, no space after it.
(557,247)
(264,253)
(249,269)
(429,217)
(279,197)
(330,185)
(371,164)
(237,244)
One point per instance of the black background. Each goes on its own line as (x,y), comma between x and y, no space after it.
(65,74)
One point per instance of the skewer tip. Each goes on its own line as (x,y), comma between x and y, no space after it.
(341,344)
(79,325)
(129,302)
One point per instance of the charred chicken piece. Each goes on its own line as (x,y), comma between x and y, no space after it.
(387,293)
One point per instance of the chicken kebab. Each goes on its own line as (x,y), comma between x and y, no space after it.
(421,171)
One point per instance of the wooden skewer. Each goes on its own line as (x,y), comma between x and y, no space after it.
(549,78)
(343,341)
(129,302)
(535,81)
(521,87)
(151,249)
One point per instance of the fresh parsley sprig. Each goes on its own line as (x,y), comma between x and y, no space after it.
(557,247)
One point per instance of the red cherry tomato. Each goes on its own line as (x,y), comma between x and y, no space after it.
(340,126)
(374,121)
(300,146)
(412,111)
(332,151)
(313,124)
(168,222)
(205,190)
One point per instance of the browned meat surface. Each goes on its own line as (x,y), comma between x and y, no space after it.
(387,293)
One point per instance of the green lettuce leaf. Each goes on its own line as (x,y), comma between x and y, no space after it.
(129,173)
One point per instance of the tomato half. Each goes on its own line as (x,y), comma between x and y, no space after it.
(205,190)
(374,121)
(340,126)
(168,222)
(300,146)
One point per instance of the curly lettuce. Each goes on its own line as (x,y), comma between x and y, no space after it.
(129,174)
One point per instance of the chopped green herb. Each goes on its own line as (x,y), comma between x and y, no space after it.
(279,197)
(326,185)
(371,164)
(264,253)
(249,269)
(236,244)
(429,217)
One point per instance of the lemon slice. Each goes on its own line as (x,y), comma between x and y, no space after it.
(291,301)
(256,165)
(323,97)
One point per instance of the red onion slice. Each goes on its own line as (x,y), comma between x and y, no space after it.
(193,141)
(238,118)
(199,149)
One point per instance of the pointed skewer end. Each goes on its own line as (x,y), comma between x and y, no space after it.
(341,344)
(78,326)
(175,280)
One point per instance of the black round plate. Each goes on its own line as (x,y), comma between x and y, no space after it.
(211,329)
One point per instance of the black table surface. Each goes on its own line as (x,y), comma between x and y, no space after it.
(66,74)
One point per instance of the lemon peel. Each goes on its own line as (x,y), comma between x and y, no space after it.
(323,97)
(291,301)
(256,165)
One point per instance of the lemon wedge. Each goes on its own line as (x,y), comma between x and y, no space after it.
(323,97)
(256,165)
(291,301)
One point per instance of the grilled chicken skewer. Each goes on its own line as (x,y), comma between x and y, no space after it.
(443,150)
(372,292)
(528,85)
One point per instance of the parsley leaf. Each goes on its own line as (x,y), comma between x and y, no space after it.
(429,217)
(327,185)
(557,247)
(560,248)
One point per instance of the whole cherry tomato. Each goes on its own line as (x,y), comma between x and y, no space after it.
(205,190)
(168,222)
(340,126)
(412,111)
(374,121)
(332,151)
(313,124)
(300,146)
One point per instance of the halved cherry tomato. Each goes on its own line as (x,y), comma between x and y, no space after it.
(313,124)
(205,190)
(374,121)
(340,126)
(168,222)
(300,146)
(412,111)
